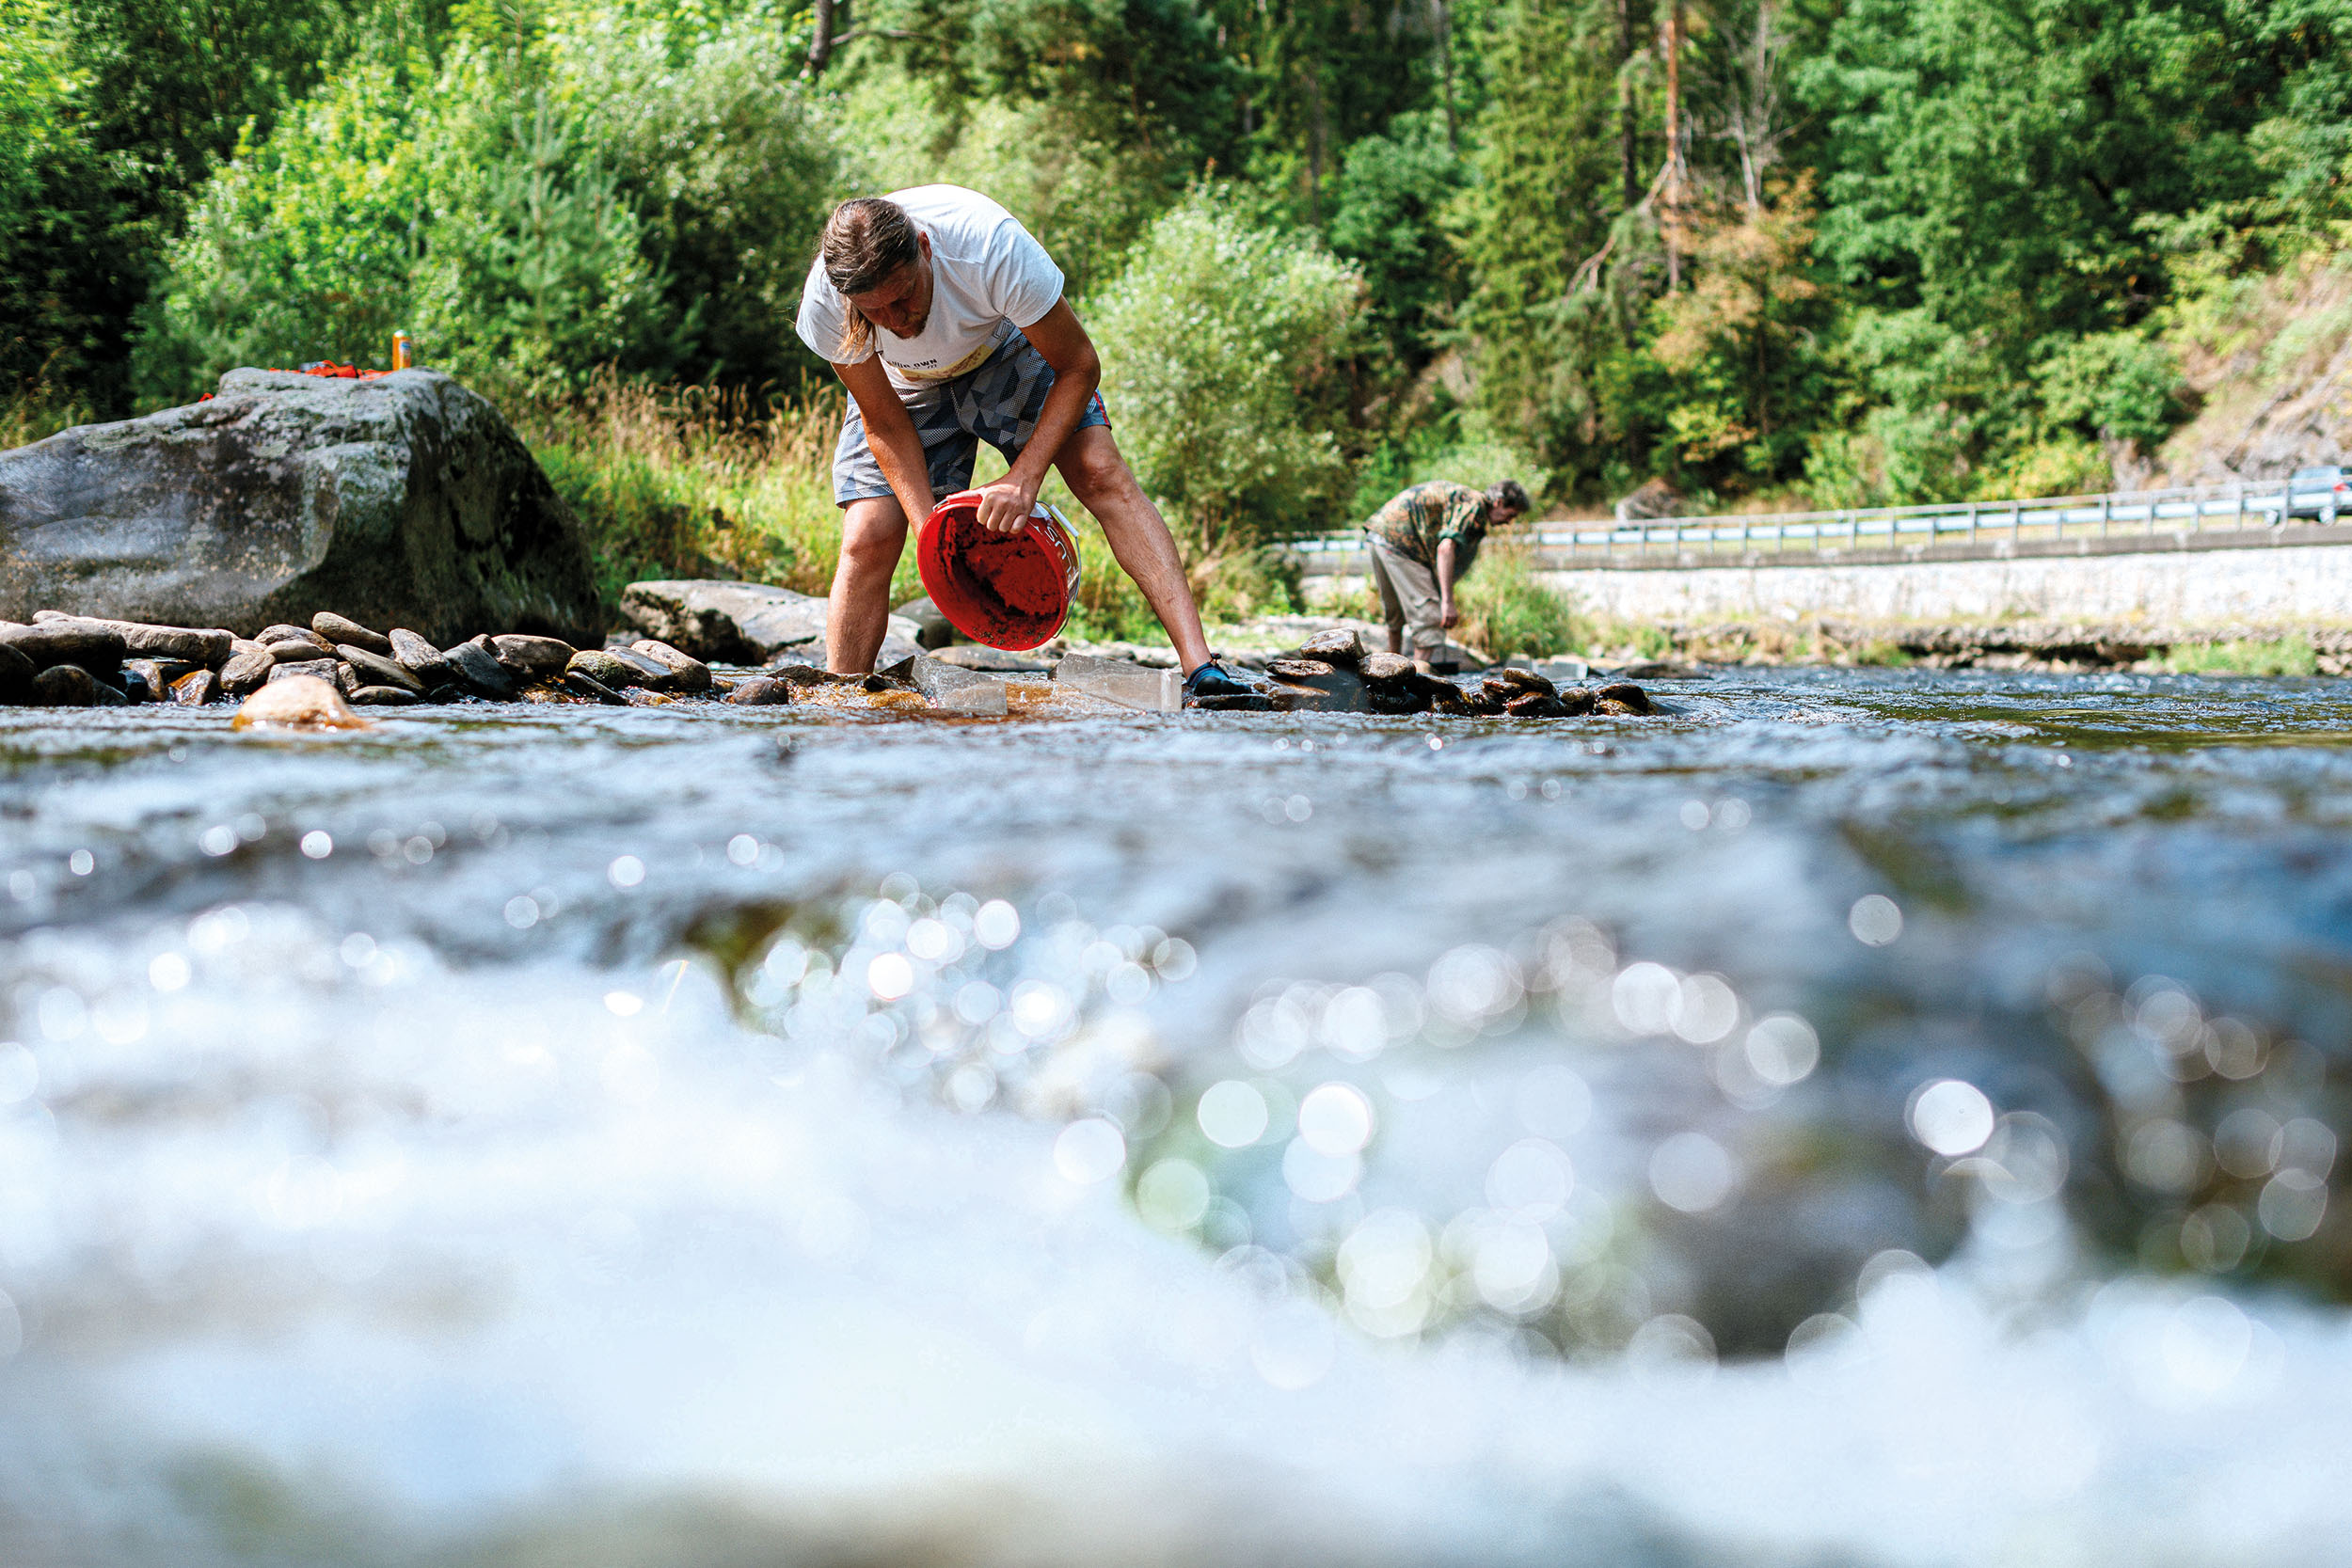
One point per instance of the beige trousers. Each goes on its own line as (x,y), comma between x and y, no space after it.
(1409,596)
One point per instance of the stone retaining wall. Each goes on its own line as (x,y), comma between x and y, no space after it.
(2304,583)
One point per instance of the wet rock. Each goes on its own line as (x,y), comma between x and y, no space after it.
(243,645)
(384,696)
(346,679)
(67,640)
(638,696)
(1577,700)
(107,691)
(282,632)
(296,652)
(1286,697)
(743,623)
(298,701)
(65,686)
(553,691)
(1337,646)
(1238,701)
(932,627)
(1387,667)
(533,658)
(686,673)
(421,658)
(1622,697)
(402,500)
(316,669)
(761,691)
(335,629)
(376,670)
(193,644)
(245,672)
(590,687)
(607,670)
(650,672)
(1507,681)
(478,670)
(143,680)
(196,689)
(1534,704)
(1297,667)
(16,675)
(809,677)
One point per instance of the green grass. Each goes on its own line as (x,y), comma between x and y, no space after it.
(2285,656)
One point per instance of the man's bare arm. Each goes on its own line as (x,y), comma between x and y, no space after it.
(891,435)
(1447,556)
(1077,370)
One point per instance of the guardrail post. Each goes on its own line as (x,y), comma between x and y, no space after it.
(2107,513)
(1972,525)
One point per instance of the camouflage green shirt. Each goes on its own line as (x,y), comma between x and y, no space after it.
(1419,519)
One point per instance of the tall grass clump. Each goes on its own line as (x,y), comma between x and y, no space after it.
(1505,611)
(691,483)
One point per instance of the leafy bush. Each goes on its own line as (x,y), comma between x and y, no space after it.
(1224,347)
(1505,611)
(645,196)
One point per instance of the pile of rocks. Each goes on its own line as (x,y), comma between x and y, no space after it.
(78,661)
(1333,672)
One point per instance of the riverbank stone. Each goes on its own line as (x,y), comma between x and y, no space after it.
(686,673)
(317,669)
(65,686)
(761,691)
(246,673)
(743,623)
(384,696)
(67,640)
(533,658)
(338,630)
(478,670)
(375,669)
(405,500)
(419,657)
(194,689)
(298,701)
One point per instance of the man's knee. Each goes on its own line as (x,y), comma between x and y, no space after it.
(1094,467)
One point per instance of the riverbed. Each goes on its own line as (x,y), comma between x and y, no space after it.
(1864,1116)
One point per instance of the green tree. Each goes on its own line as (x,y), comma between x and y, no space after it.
(1390,220)
(1226,347)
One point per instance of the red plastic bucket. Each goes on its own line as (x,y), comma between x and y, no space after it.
(1011,591)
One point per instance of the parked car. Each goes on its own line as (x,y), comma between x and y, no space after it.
(2320,492)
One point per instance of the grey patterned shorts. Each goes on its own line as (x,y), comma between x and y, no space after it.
(998,402)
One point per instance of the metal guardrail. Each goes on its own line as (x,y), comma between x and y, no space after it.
(2190,510)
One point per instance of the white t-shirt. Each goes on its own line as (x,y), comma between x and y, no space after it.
(990,279)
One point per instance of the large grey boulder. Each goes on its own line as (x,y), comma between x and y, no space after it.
(406,500)
(742,622)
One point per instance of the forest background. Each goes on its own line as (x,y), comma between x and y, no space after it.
(1833,252)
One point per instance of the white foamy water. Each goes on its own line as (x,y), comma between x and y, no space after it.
(381,1218)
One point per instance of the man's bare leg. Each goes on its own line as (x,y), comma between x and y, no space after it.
(1139,536)
(873,534)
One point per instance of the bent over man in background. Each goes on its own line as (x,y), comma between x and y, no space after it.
(1423,543)
(946,320)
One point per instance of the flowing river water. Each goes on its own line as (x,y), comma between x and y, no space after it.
(1865,1117)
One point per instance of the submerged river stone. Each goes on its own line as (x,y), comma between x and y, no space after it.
(298,702)
(405,500)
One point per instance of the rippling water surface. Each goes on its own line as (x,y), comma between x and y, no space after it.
(1861,1119)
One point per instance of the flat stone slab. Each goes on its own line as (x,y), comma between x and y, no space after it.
(1120,681)
(738,623)
(950,689)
